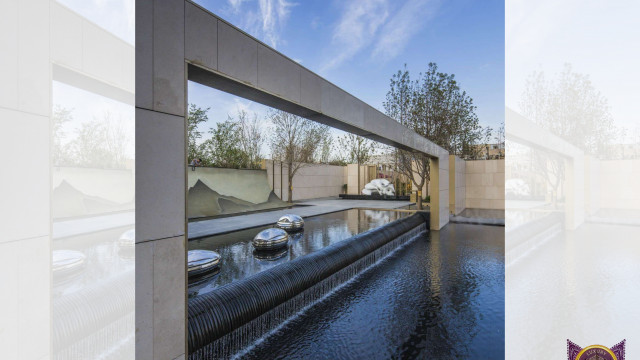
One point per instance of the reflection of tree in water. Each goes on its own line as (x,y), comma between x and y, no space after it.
(447,315)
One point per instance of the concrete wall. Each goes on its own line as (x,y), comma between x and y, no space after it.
(44,41)
(108,190)
(457,185)
(353,187)
(248,185)
(310,182)
(161,279)
(617,184)
(484,182)
(25,245)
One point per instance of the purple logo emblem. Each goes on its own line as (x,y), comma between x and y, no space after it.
(595,352)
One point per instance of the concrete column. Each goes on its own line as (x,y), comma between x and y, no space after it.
(161,180)
(25,244)
(452,184)
(574,210)
(439,189)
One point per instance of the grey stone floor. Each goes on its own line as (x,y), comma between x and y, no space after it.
(314,207)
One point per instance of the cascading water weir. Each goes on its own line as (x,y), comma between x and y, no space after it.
(228,319)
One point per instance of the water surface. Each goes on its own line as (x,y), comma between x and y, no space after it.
(238,259)
(439,297)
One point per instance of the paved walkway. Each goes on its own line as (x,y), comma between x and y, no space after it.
(67,228)
(314,207)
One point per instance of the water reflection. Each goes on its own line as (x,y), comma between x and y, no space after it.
(102,290)
(238,258)
(437,298)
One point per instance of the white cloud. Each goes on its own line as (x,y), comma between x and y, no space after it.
(266,21)
(356,29)
(404,24)
(235,5)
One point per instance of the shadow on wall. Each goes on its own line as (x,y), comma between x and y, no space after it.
(217,191)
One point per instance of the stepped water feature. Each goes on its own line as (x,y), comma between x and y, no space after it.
(226,320)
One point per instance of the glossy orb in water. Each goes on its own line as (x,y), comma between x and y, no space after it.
(66,262)
(290,222)
(271,239)
(200,262)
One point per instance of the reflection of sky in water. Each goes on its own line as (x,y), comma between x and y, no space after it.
(105,258)
(581,284)
(238,259)
(439,297)
(102,290)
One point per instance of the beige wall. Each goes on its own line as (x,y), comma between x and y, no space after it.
(617,181)
(244,184)
(311,181)
(484,181)
(457,185)
(351,173)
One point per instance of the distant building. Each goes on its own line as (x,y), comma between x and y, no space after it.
(487,152)
(621,151)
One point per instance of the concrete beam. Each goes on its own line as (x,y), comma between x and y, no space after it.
(523,131)
(83,48)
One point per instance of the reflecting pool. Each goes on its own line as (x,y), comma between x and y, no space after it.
(239,259)
(441,296)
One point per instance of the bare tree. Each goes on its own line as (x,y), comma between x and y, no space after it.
(500,140)
(251,138)
(326,147)
(356,149)
(196,116)
(100,143)
(62,152)
(295,141)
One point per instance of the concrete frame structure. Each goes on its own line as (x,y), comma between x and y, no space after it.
(177,40)
(51,42)
(457,185)
(523,131)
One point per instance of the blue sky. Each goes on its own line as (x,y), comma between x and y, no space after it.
(359,44)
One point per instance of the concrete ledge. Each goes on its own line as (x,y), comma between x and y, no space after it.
(373,197)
